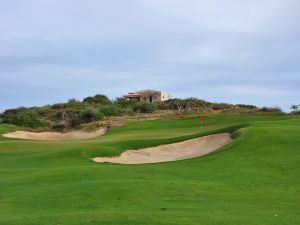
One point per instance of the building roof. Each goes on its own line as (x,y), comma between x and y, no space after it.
(141,93)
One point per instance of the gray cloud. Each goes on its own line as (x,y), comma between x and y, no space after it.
(230,51)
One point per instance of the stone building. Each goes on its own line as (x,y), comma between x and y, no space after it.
(148,96)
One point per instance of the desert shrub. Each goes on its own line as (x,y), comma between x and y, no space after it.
(127,111)
(59,127)
(129,107)
(194,103)
(144,107)
(64,114)
(57,115)
(110,110)
(22,117)
(220,106)
(90,114)
(123,103)
(57,106)
(271,109)
(177,103)
(74,104)
(74,121)
(174,103)
(43,111)
(246,106)
(97,100)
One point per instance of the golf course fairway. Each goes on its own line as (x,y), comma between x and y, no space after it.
(254,180)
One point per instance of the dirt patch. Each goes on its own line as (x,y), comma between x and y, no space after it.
(177,151)
(117,123)
(46,136)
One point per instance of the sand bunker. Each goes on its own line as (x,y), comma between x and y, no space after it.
(178,151)
(74,135)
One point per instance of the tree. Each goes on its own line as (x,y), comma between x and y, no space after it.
(97,100)
(295,108)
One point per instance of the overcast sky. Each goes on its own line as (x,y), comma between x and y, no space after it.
(235,51)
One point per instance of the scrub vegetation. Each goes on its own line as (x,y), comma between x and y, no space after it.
(72,114)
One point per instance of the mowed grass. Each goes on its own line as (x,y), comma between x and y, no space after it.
(254,180)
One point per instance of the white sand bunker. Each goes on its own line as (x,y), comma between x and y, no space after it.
(178,151)
(45,136)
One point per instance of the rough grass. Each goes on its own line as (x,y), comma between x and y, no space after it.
(253,181)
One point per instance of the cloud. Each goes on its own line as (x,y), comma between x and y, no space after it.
(253,91)
(55,50)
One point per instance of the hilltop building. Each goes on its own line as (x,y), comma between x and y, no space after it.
(148,96)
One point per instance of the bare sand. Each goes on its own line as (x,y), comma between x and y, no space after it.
(172,152)
(46,136)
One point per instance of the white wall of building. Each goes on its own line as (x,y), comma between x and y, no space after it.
(164,96)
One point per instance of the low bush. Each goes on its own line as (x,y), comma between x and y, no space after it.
(123,103)
(110,110)
(221,106)
(271,109)
(246,106)
(74,121)
(97,100)
(58,127)
(22,118)
(91,114)
(144,107)
(127,111)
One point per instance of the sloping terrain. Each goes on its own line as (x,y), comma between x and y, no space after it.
(254,180)
(171,152)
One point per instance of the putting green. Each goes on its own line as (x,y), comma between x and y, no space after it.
(254,180)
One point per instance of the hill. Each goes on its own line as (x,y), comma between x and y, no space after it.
(74,114)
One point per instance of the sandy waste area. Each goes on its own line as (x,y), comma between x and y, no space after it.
(46,136)
(172,152)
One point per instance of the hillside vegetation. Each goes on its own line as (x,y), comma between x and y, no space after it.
(72,114)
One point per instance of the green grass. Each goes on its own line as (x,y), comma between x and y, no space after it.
(253,181)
